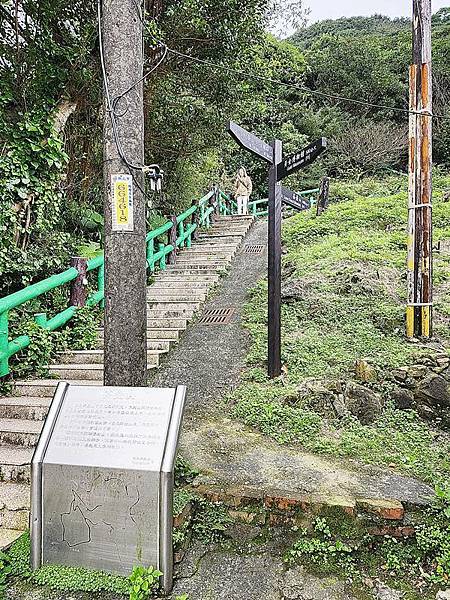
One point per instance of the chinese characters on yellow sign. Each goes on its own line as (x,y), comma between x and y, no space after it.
(122,203)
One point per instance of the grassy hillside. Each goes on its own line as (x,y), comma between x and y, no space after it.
(343,305)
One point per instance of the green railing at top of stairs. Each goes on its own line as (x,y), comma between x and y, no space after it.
(181,230)
(258,208)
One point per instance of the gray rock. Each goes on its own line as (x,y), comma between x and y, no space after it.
(320,396)
(403,399)
(297,584)
(295,289)
(362,402)
(383,592)
(443,595)
(417,371)
(434,390)
(400,374)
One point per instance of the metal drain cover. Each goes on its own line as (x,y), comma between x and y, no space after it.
(217,316)
(257,249)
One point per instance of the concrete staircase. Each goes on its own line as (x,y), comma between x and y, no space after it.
(173,299)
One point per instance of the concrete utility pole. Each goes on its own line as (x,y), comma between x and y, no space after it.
(125,228)
(420,250)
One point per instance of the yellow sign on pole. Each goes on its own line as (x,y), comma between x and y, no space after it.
(122,203)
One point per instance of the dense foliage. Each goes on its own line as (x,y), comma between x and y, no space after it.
(367,58)
(51,109)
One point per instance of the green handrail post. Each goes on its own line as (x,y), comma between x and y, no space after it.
(101,282)
(189,237)
(181,234)
(172,240)
(41,319)
(150,254)
(194,219)
(162,260)
(4,358)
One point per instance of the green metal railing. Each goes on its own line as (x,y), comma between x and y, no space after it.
(181,230)
(259,208)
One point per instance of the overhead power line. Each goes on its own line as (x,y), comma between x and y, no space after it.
(300,87)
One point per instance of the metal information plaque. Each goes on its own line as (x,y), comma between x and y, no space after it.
(102,479)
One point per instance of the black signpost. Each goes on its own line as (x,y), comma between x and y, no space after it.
(279,169)
(294,200)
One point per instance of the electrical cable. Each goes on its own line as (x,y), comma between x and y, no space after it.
(299,87)
(303,88)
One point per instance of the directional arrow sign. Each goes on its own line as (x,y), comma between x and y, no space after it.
(294,200)
(250,142)
(300,159)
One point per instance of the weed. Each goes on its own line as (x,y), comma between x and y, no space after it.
(210,521)
(143,582)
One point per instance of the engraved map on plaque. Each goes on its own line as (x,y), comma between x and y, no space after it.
(101,478)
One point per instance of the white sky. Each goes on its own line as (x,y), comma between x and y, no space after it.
(333,9)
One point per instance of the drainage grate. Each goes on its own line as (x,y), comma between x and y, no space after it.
(258,249)
(218,316)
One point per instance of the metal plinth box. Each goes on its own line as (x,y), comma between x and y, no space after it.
(102,479)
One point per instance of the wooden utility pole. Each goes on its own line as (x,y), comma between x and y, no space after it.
(125,227)
(274,265)
(420,259)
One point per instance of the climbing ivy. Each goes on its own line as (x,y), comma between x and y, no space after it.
(31,170)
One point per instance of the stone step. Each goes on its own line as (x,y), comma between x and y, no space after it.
(164,334)
(177,284)
(187,271)
(176,296)
(46,387)
(190,289)
(77,371)
(199,251)
(89,370)
(172,306)
(19,432)
(96,356)
(212,247)
(221,238)
(20,407)
(15,463)
(8,537)
(224,225)
(209,267)
(215,264)
(14,506)
(225,236)
(235,229)
(169,277)
(168,322)
(169,314)
(167,333)
(161,345)
(199,259)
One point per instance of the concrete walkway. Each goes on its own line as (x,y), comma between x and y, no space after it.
(209,358)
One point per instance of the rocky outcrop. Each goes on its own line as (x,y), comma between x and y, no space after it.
(425,387)
(362,403)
